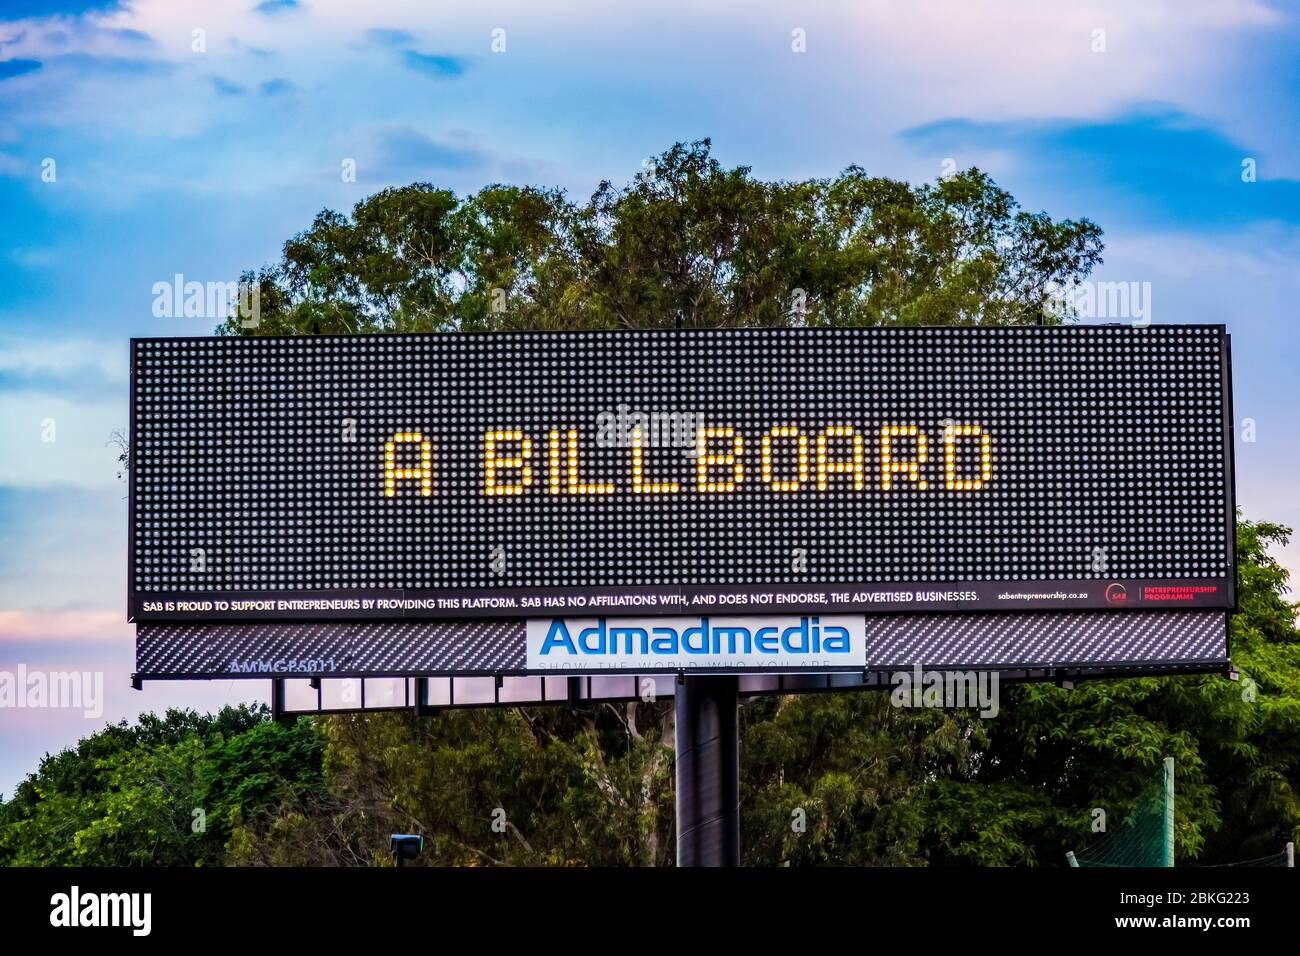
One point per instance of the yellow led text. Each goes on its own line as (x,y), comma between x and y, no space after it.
(423,473)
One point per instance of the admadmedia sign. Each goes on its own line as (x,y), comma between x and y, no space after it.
(697,643)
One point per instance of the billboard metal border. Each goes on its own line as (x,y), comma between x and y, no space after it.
(579,692)
(1225,380)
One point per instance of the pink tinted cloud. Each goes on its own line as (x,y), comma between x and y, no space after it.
(97,625)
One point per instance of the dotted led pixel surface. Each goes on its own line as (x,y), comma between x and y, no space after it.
(718,457)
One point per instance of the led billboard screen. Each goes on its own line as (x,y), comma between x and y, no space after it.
(681,472)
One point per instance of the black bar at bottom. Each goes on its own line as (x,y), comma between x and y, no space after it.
(708,772)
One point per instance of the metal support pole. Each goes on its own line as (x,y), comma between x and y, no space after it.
(277,702)
(708,771)
(1169,811)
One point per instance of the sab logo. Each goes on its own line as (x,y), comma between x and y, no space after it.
(1116,594)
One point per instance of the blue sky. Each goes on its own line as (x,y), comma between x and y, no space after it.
(194,138)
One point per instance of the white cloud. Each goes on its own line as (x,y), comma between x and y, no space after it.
(654,75)
(62,562)
(79,454)
(108,361)
(56,625)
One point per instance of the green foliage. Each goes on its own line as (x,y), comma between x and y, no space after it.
(850,768)
(687,241)
(126,795)
(1236,752)
(552,787)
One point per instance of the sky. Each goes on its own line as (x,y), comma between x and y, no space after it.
(141,140)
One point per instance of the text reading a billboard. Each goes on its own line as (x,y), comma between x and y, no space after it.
(681,472)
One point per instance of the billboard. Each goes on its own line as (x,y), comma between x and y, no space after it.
(588,475)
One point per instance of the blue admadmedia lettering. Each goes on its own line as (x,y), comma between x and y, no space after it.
(605,639)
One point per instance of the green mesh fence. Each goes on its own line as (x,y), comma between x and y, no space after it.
(1139,840)
(1281,858)
(1145,835)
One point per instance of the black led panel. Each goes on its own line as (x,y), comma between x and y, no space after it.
(675,472)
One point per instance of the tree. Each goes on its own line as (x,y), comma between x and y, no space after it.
(517,786)
(686,242)
(165,792)
(1236,747)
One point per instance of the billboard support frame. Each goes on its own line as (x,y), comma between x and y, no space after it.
(707,771)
